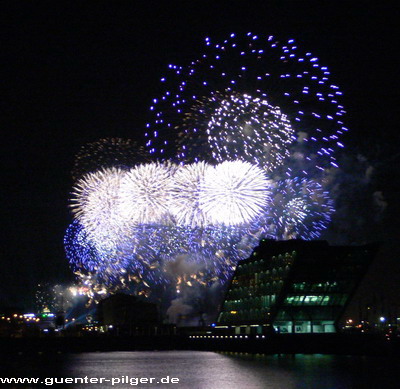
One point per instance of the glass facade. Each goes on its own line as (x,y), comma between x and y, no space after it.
(294,286)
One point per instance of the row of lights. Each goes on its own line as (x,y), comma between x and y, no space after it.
(95,328)
(30,317)
(351,323)
(223,337)
(15,316)
(90,329)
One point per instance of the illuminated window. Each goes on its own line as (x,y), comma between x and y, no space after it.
(325,300)
(312,300)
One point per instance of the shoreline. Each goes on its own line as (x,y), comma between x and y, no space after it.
(334,344)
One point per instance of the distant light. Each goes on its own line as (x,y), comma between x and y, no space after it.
(382,319)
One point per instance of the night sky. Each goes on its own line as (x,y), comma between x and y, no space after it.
(74,74)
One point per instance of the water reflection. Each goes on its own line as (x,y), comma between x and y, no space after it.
(208,370)
(194,369)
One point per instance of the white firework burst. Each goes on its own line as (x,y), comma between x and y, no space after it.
(249,129)
(95,204)
(233,193)
(144,194)
(184,202)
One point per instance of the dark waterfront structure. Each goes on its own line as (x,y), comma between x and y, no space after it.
(126,315)
(293,286)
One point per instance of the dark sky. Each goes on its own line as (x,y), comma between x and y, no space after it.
(73,74)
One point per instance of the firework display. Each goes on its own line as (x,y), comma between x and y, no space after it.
(300,208)
(239,142)
(239,127)
(137,221)
(213,250)
(110,202)
(249,97)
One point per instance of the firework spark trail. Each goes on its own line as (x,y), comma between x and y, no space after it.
(107,153)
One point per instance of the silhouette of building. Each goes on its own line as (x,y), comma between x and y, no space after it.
(293,286)
(125,314)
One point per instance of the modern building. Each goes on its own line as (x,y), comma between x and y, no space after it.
(293,286)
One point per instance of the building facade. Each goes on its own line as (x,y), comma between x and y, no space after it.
(293,286)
